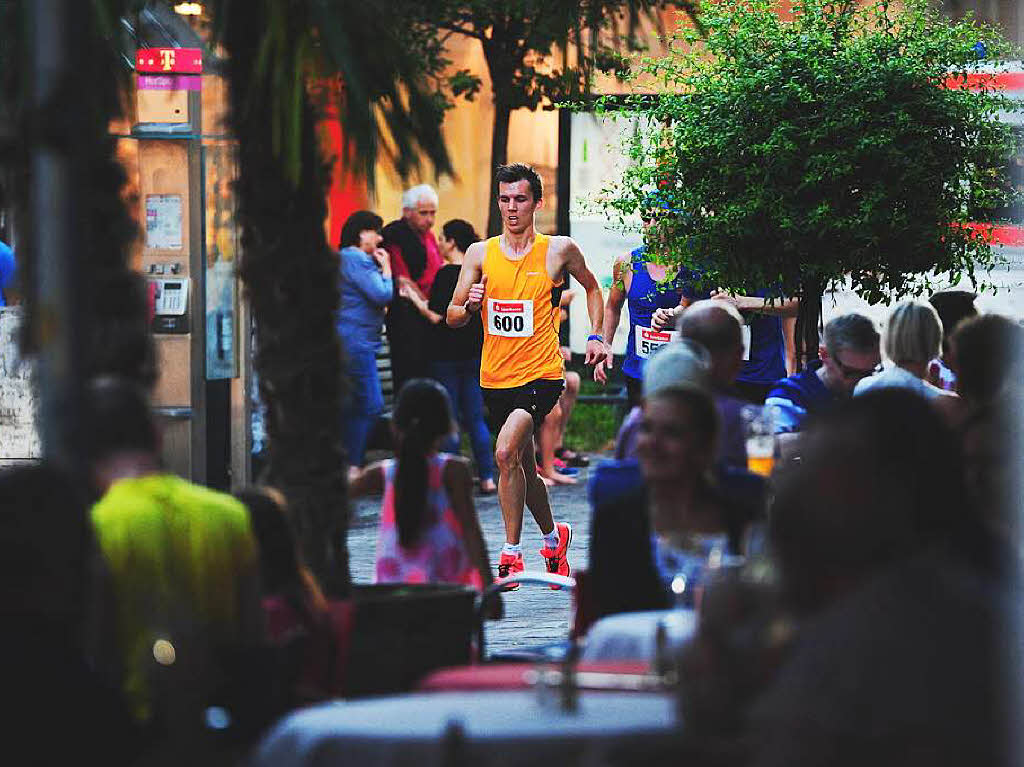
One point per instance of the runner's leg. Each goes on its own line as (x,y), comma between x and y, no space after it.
(513,485)
(547,441)
(536,492)
(566,403)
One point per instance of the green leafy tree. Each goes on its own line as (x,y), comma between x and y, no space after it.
(538,52)
(820,149)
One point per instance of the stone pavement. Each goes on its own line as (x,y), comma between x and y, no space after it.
(534,615)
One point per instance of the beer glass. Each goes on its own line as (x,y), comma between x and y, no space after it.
(759,431)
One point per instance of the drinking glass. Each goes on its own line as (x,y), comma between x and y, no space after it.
(759,431)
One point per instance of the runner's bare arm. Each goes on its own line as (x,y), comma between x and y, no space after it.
(780,307)
(612,313)
(574,263)
(462,301)
(666,318)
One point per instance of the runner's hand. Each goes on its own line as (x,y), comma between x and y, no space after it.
(600,371)
(663,319)
(596,352)
(476,295)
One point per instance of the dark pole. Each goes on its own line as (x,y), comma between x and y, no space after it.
(53,199)
(564,224)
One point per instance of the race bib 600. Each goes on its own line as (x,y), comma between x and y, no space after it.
(512,317)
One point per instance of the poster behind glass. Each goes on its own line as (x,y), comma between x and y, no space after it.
(221,260)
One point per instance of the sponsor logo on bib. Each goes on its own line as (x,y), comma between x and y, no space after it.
(511,319)
(649,340)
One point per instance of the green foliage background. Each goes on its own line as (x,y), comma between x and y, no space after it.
(820,148)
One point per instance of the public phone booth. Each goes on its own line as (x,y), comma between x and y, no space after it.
(181,165)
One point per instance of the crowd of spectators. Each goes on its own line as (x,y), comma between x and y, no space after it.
(176,621)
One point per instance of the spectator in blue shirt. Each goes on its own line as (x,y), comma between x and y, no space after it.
(366,290)
(6,272)
(849,352)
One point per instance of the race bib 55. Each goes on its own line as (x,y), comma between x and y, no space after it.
(649,340)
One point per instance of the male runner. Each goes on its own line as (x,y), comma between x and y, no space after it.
(514,280)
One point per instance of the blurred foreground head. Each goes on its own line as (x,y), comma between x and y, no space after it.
(880,480)
(122,434)
(45,539)
(987,352)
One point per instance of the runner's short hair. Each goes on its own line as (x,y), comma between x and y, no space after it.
(520,171)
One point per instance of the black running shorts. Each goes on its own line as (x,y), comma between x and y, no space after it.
(537,398)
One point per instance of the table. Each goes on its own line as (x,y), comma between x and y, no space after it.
(522,676)
(460,729)
(631,636)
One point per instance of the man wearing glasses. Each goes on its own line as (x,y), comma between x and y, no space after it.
(849,352)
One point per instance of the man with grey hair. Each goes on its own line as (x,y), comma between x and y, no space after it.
(849,352)
(415,261)
(718,327)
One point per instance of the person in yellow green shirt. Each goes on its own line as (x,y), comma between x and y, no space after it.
(181,558)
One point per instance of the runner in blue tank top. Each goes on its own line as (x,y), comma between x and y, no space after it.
(642,285)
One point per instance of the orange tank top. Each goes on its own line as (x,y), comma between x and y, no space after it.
(520,338)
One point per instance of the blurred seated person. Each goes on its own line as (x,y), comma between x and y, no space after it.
(182,561)
(952,306)
(898,627)
(717,326)
(913,338)
(299,617)
(849,352)
(987,351)
(679,516)
(60,710)
(992,455)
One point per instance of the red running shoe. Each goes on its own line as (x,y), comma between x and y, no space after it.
(510,565)
(555,559)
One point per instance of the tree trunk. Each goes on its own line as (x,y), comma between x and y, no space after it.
(291,278)
(499,152)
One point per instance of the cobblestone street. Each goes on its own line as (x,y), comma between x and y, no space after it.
(534,614)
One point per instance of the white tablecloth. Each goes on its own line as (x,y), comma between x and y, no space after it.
(631,636)
(499,728)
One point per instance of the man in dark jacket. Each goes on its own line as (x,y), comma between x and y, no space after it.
(415,260)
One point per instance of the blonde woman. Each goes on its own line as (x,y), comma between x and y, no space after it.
(912,339)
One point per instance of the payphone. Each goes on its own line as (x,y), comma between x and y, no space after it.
(168,130)
(170,302)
